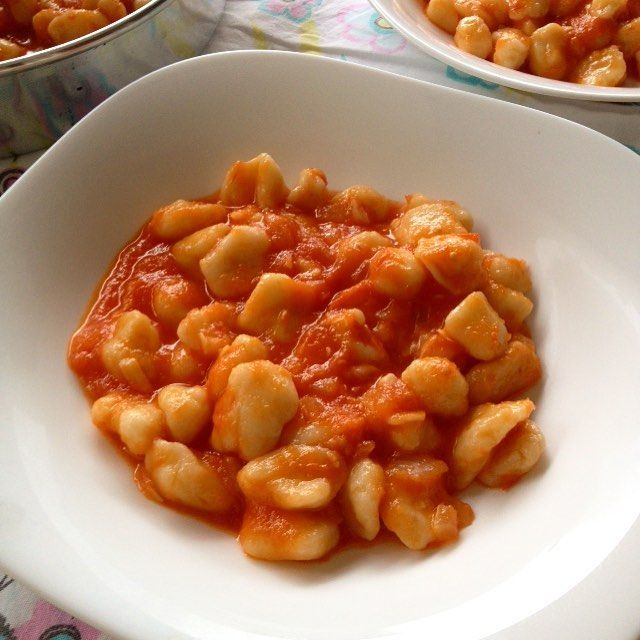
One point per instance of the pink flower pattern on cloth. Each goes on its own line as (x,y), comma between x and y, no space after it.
(49,623)
(367,29)
(31,619)
(294,10)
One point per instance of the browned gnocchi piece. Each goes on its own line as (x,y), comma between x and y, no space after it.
(396,417)
(75,23)
(437,344)
(184,366)
(473,36)
(603,68)
(459,213)
(491,12)
(628,38)
(443,13)
(548,54)
(510,47)
(607,9)
(10,49)
(22,11)
(111,9)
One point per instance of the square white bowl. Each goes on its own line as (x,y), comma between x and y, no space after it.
(539,559)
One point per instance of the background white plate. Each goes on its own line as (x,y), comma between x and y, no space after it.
(72,523)
(408,18)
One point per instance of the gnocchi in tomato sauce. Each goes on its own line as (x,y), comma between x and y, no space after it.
(307,367)
(32,25)
(594,43)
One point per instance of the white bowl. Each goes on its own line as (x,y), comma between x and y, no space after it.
(540,560)
(408,18)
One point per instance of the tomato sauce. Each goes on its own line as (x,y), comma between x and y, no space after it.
(304,247)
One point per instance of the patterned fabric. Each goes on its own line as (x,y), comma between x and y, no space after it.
(24,617)
(344,29)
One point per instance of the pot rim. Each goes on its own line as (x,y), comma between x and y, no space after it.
(79,45)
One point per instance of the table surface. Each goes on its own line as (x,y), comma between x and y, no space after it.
(349,30)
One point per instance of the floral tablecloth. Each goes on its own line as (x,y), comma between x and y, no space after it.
(346,29)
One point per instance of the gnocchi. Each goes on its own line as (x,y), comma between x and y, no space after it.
(454,261)
(130,353)
(594,43)
(483,429)
(179,476)
(231,266)
(361,498)
(275,534)
(32,25)
(258,400)
(308,367)
(294,477)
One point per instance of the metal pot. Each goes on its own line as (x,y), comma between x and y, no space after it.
(43,94)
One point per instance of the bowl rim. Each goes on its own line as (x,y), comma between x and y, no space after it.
(83,43)
(489,71)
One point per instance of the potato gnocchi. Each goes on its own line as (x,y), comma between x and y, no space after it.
(32,25)
(593,42)
(308,367)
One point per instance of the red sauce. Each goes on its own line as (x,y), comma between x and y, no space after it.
(325,390)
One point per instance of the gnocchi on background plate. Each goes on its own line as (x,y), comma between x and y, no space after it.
(594,43)
(306,367)
(32,25)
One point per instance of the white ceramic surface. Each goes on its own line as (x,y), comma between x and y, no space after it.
(537,562)
(408,18)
